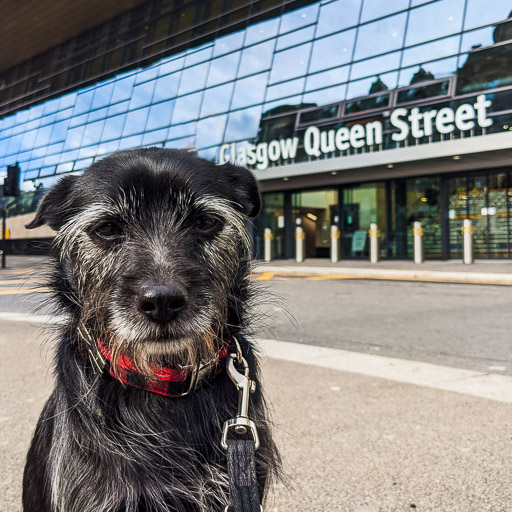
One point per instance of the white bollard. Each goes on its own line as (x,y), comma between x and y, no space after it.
(418,242)
(467,232)
(335,244)
(268,237)
(374,242)
(300,243)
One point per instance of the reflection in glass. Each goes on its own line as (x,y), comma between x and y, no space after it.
(113,127)
(92,133)
(166,87)
(198,54)
(371,103)
(319,114)
(337,16)
(375,66)
(256,58)
(294,38)
(74,137)
(223,69)
(193,78)
(135,121)
(175,63)
(243,124)
(332,51)
(261,31)
(182,130)
(160,115)
(388,32)
(431,51)
(186,108)
(480,13)
(426,91)
(142,95)
(83,103)
(285,89)
(431,71)
(290,63)
(249,91)
(326,78)
(477,38)
(371,85)
(210,131)
(298,18)
(226,44)
(217,100)
(157,136)
(373,9)
(123,89)
(434,20)
(102,96)
(272,217)
(130,142)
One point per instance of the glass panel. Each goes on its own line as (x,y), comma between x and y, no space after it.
(297,37)
(290,63)
(272,217)
(142,95)
(420,93)
(477,212)
(166,87)
(477,38)
(249,91)
(135,121)
(156,137)
(315,211)
(497,213)
(74,138)
(226,44)
(186,108)
(92,134)
(434,20)
(362,205)
(285,89)
(332,51)
(217,99)
(325,79)
(485,69)
(102,96)
(431,51)
(388,32)
(256,58)
(83,103)
(457,212)
(375,66)
(243,124)
(372,85)
(298,18)
(261,31)
(123,89)
(337,16)
(429,71)
(480,13)
(374,102)
(422,204)
(373,9)
(193,78)
(223,69)
(160,115)
(319,114)
(169,66)
(210,131)
(113,127)
(196,55)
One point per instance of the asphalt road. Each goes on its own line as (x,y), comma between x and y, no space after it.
(460,325)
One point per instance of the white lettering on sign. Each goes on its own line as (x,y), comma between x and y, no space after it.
(318,142)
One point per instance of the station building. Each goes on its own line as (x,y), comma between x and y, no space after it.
(348,111)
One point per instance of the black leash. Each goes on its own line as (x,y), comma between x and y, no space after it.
(243,484)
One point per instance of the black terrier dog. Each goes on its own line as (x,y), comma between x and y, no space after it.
(151,265)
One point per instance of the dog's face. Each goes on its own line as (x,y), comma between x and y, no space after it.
(153,251)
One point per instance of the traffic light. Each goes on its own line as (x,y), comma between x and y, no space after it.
(12,182)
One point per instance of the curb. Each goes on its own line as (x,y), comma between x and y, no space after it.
(319,273)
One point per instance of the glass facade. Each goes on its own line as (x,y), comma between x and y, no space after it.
(282,67)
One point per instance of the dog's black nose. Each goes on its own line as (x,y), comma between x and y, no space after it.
(161,302)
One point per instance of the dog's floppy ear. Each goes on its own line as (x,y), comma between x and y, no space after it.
(244,188)
(55,207)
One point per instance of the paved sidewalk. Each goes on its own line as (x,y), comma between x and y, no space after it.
(481,272)
(350,443)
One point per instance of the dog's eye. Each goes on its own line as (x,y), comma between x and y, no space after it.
(109,231)
(207,224)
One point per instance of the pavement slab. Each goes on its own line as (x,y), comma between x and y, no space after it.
(350,443)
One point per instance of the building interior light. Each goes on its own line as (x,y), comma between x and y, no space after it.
(312,216)
(334,173)
(390,166)
(424,200)
(286,179)
(456,157)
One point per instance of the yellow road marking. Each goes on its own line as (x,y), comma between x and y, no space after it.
(325,277)
(265,276)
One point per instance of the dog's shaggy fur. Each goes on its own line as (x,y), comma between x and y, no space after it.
(149,217)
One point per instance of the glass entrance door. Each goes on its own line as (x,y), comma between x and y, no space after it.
(315,211)
(362,205)
(271,216)
(485,199)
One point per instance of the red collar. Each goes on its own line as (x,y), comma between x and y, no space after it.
(170,382)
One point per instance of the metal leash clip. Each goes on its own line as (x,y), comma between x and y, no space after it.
(241,424)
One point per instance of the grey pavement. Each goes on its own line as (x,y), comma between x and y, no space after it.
(349,443)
